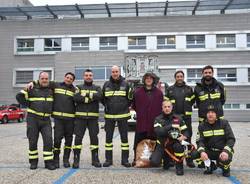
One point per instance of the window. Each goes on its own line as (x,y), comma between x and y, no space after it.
(195,41)
(137,42)
(80,44)
(167,75)
(165,42)
(232,106)
(248,74)
(100,72)
(248,40)
(25,45)
(52,44)
(226,74)
(108,43)
(194,75)
(24,76)
(225,41)
(248,106)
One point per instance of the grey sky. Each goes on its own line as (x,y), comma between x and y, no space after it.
(67,2)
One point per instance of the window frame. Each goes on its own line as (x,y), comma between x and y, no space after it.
(195,41)
(137,45)
(26,48)
(83,68)
(248,39)
(108,45)
(225,43)
(166,45)
(224,79)
(197,77)
(53,48)
(81,46)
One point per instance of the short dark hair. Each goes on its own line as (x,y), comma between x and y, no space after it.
(179,71)
(207,67)
(41,73)
(70,73)
(88,70)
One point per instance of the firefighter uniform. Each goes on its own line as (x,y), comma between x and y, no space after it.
(205,95)
(39,102)
(117,99)
(164,125)
(182,98)
(87,100)
(63,114)
(214,139)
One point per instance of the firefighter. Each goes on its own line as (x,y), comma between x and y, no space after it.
(87,100)
(209,92)
(182,97)
(63,114)
(117,99)
(215,143)
(39,102)
(169,127)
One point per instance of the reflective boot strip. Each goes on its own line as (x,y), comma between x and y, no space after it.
(77,147)
(93,147)
(63,92)
(33,154)
(57,149)
(63,114)
(67,147)
(48,155)
(124,146)
(87,114)
(117,116)
(109,146)
(38,113)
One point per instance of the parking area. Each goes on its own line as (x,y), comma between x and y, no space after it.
(14,167)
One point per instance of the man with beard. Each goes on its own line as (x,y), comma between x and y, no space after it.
(87,100)
(147,104)
(182,97)
(209,92)
(117,99)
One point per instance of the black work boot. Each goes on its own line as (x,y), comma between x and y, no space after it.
(66,155)
(33,165)
(109,158)
(190,163)
(76,159)
(125,154)
(95,159)
(209,170)
(56,160)
(226,172)
(179,169)
(49,164)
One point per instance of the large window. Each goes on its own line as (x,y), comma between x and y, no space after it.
(52,44)
(225,41)
(25,45)
(100,72)
(195,41)
(24,76)
(194,75)
(137,42)
(165,42)
(108,43)
(80,43)
(227,74)
(232,106)
(248,40)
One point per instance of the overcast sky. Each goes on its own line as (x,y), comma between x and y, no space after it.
(67,2)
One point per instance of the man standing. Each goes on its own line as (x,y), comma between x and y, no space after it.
(117,99)
(215,143)
(182,98)
(169,127)
(209,92)
(39,102)
(147,103)
(63,114)
(87,99)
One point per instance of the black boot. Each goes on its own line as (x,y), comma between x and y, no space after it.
(125,155)
(49,164)
(33,165)
(66,155)
(209,170)
(109,158)
(95,159)
(179,169)
(56,159)
(76,159)
(226,172)
(190,163)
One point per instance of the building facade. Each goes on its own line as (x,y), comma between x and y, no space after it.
(186,42)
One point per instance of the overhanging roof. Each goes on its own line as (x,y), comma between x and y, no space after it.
(167,8)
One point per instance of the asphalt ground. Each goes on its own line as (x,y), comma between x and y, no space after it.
(14,166)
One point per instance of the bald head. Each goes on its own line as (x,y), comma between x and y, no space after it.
(44,79)
(115,72)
